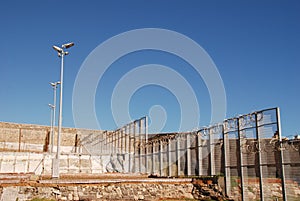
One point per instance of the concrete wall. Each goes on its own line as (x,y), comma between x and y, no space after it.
(37,138)
(41,164)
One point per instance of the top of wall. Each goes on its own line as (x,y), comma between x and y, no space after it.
(43,127)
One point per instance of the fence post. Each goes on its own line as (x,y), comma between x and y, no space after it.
(116,141)
(160,158)
(153,156)
(178,154)
(259,160)
(109,142)
(113,142)
(282,164)
(188,154)
(106,142)
(101,143)
(129,148)
(226,145)
(125,140)
(211,152)
(140,145)
(134,146)
(169,158)
(199,153)
(241,158)
(146,142)
(119,141)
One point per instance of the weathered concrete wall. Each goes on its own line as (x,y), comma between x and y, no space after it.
(37,138)
(41,164)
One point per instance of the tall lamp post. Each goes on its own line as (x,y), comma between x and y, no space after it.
(53,110)
(61,53)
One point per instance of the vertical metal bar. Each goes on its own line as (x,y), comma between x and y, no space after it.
(178,154)
(153,144)
(118,141)
(146,141)
(126,142)
(282,164)
(226,161)
(121,140)
(111,150)
(212,152)
(134,145)
(259,160)
(199,153)
(241,158)
(101,143)
(169,158)
(105,142)
(140,147)
(113,142)
(188,154)
(129,148)
(160,158)
(110,142)
(119,150)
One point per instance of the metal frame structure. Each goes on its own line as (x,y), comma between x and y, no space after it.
(236,148)
(245,150)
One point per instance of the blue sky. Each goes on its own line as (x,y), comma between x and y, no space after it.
(254,44)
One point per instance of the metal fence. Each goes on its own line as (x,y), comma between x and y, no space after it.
(248,151)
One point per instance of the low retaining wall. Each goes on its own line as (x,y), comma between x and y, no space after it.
(100,192)
(108,188)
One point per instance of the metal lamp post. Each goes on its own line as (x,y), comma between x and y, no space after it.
(61,53)
(53,110)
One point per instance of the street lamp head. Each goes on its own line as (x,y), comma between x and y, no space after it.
(54,84)
(51,106)
(68,45)
(59,50)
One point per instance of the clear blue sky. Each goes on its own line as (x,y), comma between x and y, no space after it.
(254,44)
